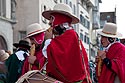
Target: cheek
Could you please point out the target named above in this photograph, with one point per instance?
(104, 42)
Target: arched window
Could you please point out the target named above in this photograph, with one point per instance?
(3, 44)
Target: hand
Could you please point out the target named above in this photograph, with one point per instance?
(48, 34)
(31, 59)
(96, 59)
(102, 54)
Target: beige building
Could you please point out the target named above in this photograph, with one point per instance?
(6, 24)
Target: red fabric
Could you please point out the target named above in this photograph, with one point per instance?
(39, 38)
(40, 58)
(64, 53)
(60, 18)
(116, 54)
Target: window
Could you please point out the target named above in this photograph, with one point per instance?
(88, 40)
(13, 9)
(60, 1)
(85, 23)
(82, 19)
(88, 24)
(70, 4)
(74, 9)
(22, 34)
(3, 8)
(108, 17)
(85, 39)
(66, 1)
(81, 36)
(44, 8)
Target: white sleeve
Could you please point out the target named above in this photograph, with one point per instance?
(44, 50)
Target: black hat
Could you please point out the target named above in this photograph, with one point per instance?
(22, 43)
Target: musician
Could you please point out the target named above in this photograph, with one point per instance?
(67, 58)
(36, 59)
(112, 68)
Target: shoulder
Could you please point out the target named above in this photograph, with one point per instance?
(118, 46)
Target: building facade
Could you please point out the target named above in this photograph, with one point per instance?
(6, 24)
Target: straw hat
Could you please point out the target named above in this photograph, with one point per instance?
(34, 29)
(22, 43)
(110, 30)
(3, 55)
(62, 9)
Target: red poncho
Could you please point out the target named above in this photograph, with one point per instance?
(116, 54)
(64, 58)
(39, 57)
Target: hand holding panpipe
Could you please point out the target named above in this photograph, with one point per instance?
(32, 52)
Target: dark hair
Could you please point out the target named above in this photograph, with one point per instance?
(111, 40)
(59, 29)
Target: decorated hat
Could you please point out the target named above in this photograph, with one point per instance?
(3, 55)
(110, 30)
(22, 43)
(34, 29)
(62, 9)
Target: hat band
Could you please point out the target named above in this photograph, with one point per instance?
(108, 33)
(34, 32)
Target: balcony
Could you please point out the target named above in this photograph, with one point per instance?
(89, 2)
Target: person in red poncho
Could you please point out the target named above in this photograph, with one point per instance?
(112, 67)
(36, 59)
(67, 58)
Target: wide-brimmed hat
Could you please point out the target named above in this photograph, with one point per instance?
(3, 55)
(22, 43)
(110, 30)
(62, 9)
(34, 29)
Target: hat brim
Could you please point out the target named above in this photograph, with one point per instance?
(47, 14)
(34, 33)
(21, 45)
(118, 35)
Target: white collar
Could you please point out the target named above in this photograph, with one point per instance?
(20, 55)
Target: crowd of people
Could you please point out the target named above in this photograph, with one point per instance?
(60, 48)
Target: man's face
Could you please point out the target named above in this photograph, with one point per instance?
(104, 41)
(33, 41)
